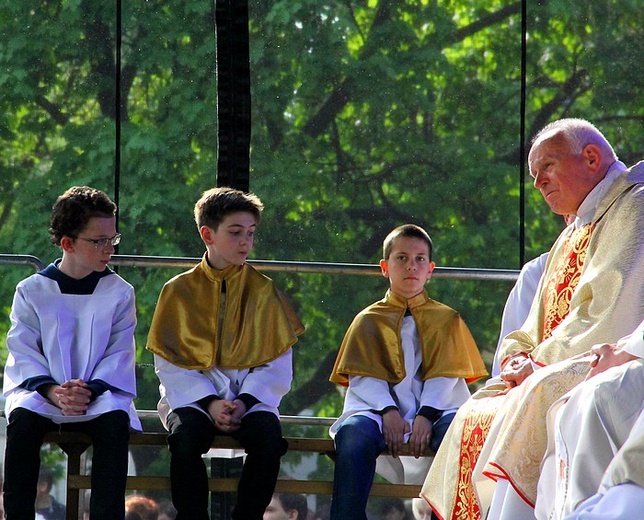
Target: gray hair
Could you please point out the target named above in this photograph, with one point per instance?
(578, 133)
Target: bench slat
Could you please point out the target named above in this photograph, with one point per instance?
(74, 443)
(229, 485)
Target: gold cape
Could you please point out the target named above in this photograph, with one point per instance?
(372, 345)
(259, 324)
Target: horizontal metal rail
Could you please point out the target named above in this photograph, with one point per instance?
(302, 420)
(285, 266)
(22, 260)
(462, 273)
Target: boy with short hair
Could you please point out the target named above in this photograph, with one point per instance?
(406, 360)
(287, 506)
(222, 337)
(71, 357)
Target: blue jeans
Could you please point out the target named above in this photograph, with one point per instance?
(358, 443)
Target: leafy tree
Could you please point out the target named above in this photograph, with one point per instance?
(366, 114)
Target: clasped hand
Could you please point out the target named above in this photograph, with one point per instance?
(227, 414)
(516, 370)
(72, 397)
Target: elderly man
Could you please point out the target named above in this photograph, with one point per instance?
(591, 292)
(588, 426)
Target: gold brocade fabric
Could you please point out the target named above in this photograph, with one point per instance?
(518, 449)
(561, 285)
(372, 345)
(475, 429)
(607, 303)
(258, 324)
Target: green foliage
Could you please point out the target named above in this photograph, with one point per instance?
(366, 115)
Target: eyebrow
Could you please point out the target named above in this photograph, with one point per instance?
(240, 226)
(408, 254)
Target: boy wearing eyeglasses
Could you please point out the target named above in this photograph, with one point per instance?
(71, 357)
(222, 336)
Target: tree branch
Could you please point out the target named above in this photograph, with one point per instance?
(483, 23)
(53, 110)
(342, 94)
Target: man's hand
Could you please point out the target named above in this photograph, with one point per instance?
(421, 435)
(72, 397)
(516, 370)
(607, 356)
(394, 429)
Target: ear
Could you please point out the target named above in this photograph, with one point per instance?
(293, 515)
(67, 244)
(592, 154)
(206, 234)
(384, 267)
(430, 269)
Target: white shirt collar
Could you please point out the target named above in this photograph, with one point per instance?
(588, 207)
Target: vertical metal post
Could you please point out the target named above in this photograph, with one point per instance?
(233, 93)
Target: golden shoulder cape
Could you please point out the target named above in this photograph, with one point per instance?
(372, 345)
(258, 326)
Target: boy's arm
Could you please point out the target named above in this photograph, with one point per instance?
(184, 387)
(373, 392)
(440, 394)
(26, 361)
(116, 370)
(268, 383)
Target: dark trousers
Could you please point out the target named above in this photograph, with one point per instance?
(191, 435)
(110, 436)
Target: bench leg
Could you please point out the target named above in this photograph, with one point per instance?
(74, 453)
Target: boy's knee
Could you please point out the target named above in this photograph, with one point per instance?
(187, 443)
(263, 432)
(354, 437)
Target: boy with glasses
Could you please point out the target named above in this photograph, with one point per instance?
(71, 357)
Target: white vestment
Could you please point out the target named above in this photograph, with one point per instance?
(517, 306)
(181, 387)
(586, 428)
(621, 493)
(60, 336)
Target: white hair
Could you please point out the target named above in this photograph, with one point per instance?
(578, 133)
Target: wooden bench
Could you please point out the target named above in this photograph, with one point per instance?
(74, 445)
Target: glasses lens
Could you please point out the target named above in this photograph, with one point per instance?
(116, 239)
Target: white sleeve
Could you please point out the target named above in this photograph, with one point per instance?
(271, 381)
(117, 365)
(444, 393)
(634, 343)
(180, 386)
(373, 393)
(517, 306)
(24, 340)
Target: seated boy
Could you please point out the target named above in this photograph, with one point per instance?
(71, 357)
(406, 360)
(222, 337)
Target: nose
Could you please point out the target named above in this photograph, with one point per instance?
(539, 179)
